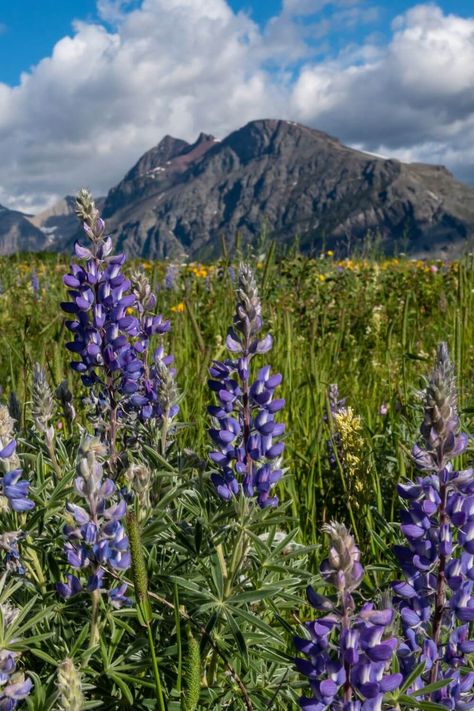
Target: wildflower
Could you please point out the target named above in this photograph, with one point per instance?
(113, 345)
(179, 308)
(14, 410)
(14, 685)
(7, 426)
(138, 478)
(346, 444)
(435, 599)
(43, 407)
(95, 538)
(171, 276)
(35, 284)
(247, 437)
(13, 489)
(348, 651)
(99, 295)
(9, 541)
(154, 394)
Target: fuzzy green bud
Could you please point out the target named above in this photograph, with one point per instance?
(70, 697)
(42, 408)
(139, 575)
(192, 674)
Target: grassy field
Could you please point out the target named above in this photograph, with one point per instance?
(371, 327)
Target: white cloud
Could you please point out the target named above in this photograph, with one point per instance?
(103, 97)
(413, 98)
(109, 92)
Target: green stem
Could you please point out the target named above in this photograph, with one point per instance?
(94, 636)
(140, 584)
(156, 671)
(178, 639)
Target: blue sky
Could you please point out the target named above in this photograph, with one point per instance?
(87, 86)
(29, 29)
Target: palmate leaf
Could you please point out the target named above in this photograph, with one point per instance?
(257, 622)
(238, 636)
(251, 596)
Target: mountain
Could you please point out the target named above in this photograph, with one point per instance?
(59, 223)
(292, 181)
(182, 199)
(17, 234)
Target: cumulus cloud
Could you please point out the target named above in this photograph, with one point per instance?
(111, 90)
(104, 96)
(413, 98)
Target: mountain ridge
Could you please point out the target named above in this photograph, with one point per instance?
(180, 199)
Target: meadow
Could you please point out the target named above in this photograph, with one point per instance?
(217, 586)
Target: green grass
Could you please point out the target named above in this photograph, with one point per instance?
(370, 327)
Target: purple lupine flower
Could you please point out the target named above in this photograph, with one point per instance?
(155, 397)
(349, 651)
(171, 276)
(14, 686)
(12, 486)
(435, 598)
(9, 544)
(102, 327)
(96, 538)
(112, 328)
(35, 283)
(249, 450)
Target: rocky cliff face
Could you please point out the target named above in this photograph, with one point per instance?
(59, 223)
(180, 199)
(17, 234)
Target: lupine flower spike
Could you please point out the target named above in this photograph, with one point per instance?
(112, 326)
(43, 405)
(249, 450)
(70, 696)
(95, 537)
(156, 395)
(349, 651)
(99, 298)
(435, 599)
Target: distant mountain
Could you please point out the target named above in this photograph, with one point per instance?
(181, 199)
(17, 234)
(59, 223)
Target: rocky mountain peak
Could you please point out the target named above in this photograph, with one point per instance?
(181, 198)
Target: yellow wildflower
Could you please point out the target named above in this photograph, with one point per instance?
(179, 308)
(349, 428)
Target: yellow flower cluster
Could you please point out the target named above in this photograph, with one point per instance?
(349, 428)
(199, 270)
(179, 308)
